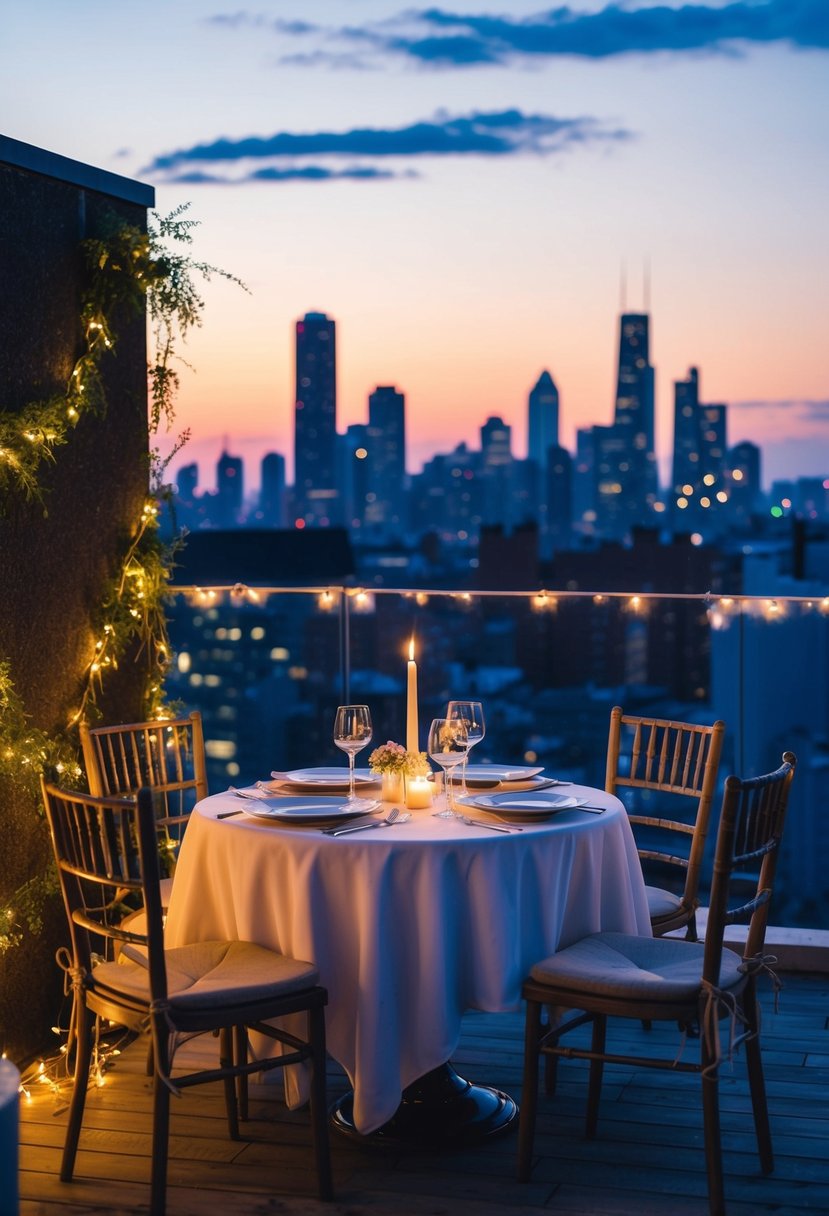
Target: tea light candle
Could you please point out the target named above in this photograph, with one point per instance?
(418, 793)
(411, 703)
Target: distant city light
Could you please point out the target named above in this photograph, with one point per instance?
(183, 661)
(737, 474)
(696, 538)
(709, 479)
(361, 453)
(682, 503)
(299, 523)
(687, 490)
(777, 512)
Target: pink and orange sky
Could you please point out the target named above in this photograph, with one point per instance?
(459, 188)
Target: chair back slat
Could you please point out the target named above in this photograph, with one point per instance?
(751, 827)
(668, 758)
(166, 756)
(106, 852)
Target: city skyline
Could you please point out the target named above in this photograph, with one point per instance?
(461, 189)
(704, 429)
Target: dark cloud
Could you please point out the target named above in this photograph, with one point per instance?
(439, 37)
(494, 134)
(305, 173)
(620, 29)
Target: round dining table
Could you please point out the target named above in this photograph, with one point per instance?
(409, 925)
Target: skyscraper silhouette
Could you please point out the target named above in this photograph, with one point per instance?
(387, 456)
(316, 494)
(627, 484)
(542, 420)
(272, 492)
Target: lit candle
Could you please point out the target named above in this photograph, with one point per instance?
(418, 793)
(412, 744)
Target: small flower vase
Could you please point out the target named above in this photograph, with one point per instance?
(392, 787)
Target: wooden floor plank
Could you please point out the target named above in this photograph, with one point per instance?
(647, 1159)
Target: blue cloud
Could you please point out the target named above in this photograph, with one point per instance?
(438, 37)
(494, 134)
(619, 29)
(273, 173)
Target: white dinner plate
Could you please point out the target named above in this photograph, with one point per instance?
(311, 810)
(328, 778)
(500, 772)
(528, 805)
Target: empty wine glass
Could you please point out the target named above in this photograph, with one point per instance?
(352, 732)
(448, 743)
(472, 713)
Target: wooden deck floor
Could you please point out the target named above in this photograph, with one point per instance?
(647, 1159)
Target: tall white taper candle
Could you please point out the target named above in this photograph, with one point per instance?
(412, 744)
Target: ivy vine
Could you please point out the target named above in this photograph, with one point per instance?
(130, 272)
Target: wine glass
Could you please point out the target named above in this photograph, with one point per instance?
(472, 713)
(352, 732)
(448, 743)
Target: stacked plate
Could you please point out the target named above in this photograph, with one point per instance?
(300, 810)
(523, 806)
(312, 797)
(323, 780)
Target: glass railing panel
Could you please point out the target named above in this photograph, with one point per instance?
(268, 669)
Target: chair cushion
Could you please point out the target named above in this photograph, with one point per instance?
(633, 968)
(661, 903)
(211, 974)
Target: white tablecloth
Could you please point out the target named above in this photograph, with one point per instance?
(409, 926)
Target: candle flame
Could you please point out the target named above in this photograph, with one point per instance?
(411, 649)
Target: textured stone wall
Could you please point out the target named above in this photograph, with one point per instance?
(55, 562)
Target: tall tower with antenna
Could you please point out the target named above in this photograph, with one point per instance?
(627, 481)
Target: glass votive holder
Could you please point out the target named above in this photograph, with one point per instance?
(419, 793)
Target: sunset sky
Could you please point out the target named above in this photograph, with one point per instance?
(459, 187)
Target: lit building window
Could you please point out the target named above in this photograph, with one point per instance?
(257, 633)
(183, 662)
(220, 749)
(279, 654)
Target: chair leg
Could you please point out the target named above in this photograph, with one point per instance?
(713, 1142)
(84, 1021)
(529, 1091)
(757, 1085)
(594, 1087)
(691, 934)
(226, 1063)
(319, 1105)
(240, 1055)
(161, 1145)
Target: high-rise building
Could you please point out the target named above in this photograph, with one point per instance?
(229, 491)
(496, 470)
(559, 496)
(316, 494)
(542, 420)
(356, 477)
(386, 442)
(629, 484)
(272, 491)
(542, 435)
(700, 492)
(746, 487)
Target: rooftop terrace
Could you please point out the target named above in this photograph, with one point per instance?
(646, 1161)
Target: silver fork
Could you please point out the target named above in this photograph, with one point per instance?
(394, 816)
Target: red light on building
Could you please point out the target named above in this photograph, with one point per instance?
(299, 523)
